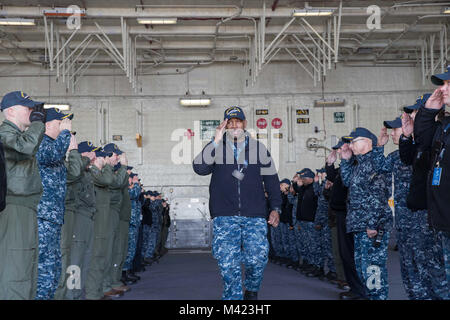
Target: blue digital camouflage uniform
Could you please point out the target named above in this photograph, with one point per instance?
(134, 192)
(155, 229)
(445, 238)
(298, 248)
(291, 232)
(421, 264)
(50, 158)
(303, 241)
(368, 208)
(321, 219)
(312, 243)
(230, 232)
(276, 241)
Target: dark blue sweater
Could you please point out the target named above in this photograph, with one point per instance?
(228, 195)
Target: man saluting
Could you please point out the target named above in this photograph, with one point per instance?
(241, 169)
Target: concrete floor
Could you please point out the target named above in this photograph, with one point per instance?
(182, 275)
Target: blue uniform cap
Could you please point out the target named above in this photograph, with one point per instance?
(18, 98)
(234, 112)
(393, 124)
(111, 147)
(306, 173)
(86, 146)
(100, 153)
(286, 181)
(338, 145)
(129, 168)
(56, 114)
(438, 79)
(133, 175)
(361, 132)
(420, 102)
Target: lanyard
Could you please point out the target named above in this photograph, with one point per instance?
(237, 151)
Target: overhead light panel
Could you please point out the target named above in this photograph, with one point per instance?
(195, 102)
(312, 12)
(60, 106)
(16, 22)
(157, 20)
(446, 10)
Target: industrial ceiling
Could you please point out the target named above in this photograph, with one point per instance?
(252, 33)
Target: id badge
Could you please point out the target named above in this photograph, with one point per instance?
(436, 176)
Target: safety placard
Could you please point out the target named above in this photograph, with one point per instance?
(302, 112)
(262, 112)
(208, 129)
(302, 120)
(339, 117)
(261, 123)
(277, 123)
(278, 136)
(261, 136)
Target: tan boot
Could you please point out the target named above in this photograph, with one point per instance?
(122, 289)
(113, 293)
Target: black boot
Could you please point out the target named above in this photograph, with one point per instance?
(307, 268)
(313, 272)
(126, 280)
(132, 276)
(250, 295)
(321, 274)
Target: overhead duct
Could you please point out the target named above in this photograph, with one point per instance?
(329, 103)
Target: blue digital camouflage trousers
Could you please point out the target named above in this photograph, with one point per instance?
(287, 237)
(445, 238)
(371, 266)
(326, 249)
(440, 288)
(421, 261)
(133, 233)
(412, 258)
(311, 238)
(276, 239)
(49, 264)
(151, 234)
(293, 255)
(300, 243)
(240, 240)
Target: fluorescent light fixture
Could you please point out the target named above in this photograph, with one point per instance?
(446, 10)
(62, 107)
(312, 12)
(16, 22)
(157, 20)
(65, 12)
(190, 102)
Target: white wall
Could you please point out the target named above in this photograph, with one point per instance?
(379, 91)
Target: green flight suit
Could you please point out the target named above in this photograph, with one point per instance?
(120, 178)
(18, 222)
(74, 169)
(124, 226)
(102, 180)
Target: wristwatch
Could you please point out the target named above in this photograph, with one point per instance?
(277, 210)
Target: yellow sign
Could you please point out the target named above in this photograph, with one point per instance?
(302, 112)
(262, 112)
(302, 120)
